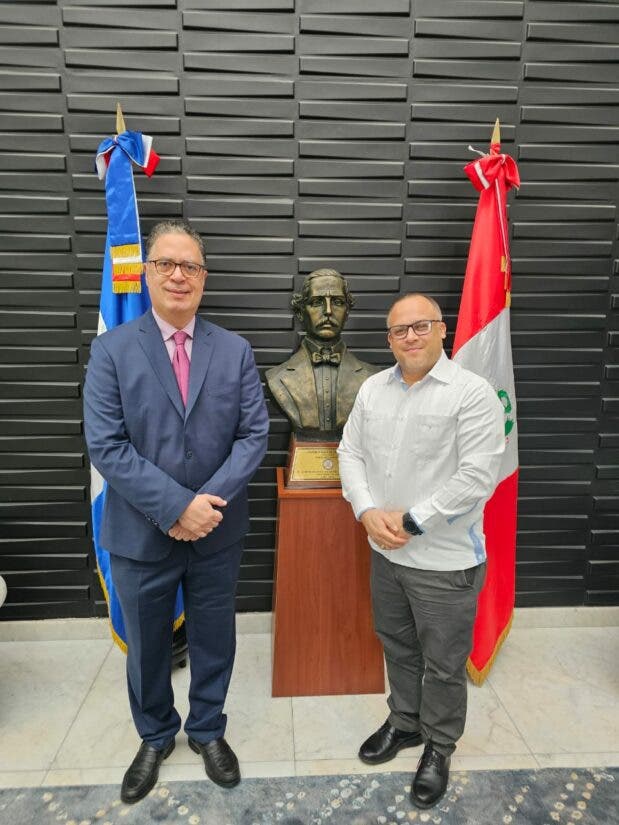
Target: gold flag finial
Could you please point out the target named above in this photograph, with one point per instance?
(120, 121)
(496, 133)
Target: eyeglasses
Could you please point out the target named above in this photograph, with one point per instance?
(166, 268)
(419, 328)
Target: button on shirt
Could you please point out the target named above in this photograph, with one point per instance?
(433, 448)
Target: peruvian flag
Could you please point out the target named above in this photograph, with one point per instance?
(483, 345)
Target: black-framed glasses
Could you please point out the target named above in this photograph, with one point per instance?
(165, 267)
(423, 327)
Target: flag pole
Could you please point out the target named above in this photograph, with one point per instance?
(120, 121)
(496, 132)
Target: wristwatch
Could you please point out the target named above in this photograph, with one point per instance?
(410, 525)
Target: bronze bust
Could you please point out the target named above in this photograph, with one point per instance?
(317, 386)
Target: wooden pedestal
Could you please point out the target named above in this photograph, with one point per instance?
(323, 639)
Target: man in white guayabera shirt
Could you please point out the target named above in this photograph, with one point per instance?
(418, 458)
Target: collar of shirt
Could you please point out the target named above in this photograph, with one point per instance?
(442, 371)
(167, 331)
(312, 346)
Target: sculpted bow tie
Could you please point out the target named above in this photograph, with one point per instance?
(326, 358)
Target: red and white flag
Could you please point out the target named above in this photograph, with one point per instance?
(483, 345)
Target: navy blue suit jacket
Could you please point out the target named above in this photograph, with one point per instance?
(155, 454)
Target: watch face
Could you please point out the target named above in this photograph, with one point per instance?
(410, 525)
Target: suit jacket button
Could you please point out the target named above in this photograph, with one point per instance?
(188, 454)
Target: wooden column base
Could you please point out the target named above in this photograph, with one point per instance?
(323, 638)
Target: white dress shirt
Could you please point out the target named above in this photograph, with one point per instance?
(433, 448)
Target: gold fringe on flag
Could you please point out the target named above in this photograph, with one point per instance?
(122, 287)
(129, 250)
(478, 677)
(120, 642)
(127, 268)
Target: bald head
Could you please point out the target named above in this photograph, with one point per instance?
(433, 306)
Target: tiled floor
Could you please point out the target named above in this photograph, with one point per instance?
(552, 699)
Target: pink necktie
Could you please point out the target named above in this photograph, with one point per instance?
(180, 363)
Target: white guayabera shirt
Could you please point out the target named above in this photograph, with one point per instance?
(434, 449)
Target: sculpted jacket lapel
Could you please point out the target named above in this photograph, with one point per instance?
(153, 345)
(298, 375)
(201, 354)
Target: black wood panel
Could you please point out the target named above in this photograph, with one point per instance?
(297, 135)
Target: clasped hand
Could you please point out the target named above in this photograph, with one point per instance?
(385, 528)
(199, 519)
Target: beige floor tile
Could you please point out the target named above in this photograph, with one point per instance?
(560, 687)
(566, 617)
(259, 727)
(492, 762)
(406, 762)
(602, 759)
(489, 729)
(249, 770)
(84, 776)
(333, 727)
(551, 700)
(102, 735)
(55, 630)
(333, 767)
(42, 685)
(171, 772)
(21, 779)
(260, 770)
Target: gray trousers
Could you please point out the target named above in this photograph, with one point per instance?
(424, 619)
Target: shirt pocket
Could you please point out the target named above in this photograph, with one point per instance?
(431, 437)
(378, 429)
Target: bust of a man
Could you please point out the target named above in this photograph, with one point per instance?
(317, 386)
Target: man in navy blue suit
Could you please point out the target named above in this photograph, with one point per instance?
(176, 423)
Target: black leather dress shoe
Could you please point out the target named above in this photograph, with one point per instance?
(430, 782)
(385, 744)
(220, 761)
(143, 772)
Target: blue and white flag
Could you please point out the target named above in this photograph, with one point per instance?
(114, 163)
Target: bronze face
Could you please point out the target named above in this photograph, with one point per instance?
(325, 310)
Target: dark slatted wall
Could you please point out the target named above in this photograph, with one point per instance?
(297, 134)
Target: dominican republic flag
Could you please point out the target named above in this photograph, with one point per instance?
(483, 345)
(114, 160)
(124, 245)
